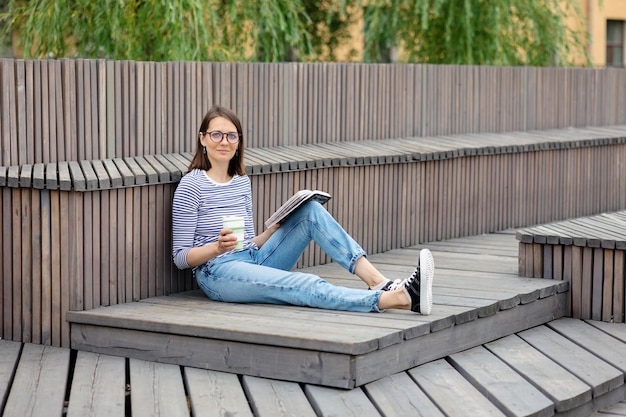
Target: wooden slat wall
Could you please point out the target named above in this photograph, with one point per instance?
(588, 252)
(75, 251)
(96, 109)
(69, 250)
(597, 277)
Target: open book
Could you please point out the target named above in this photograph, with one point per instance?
(294, 202)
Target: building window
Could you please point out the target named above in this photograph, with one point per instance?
(614, 43)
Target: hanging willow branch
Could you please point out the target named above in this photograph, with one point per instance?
(159, 30)
(476, 32)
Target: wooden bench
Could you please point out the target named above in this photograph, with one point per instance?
(168, 168)
(588, 252)
(98, 232)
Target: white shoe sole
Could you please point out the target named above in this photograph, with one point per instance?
(427, 273)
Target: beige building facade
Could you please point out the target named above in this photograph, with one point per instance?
(605, 22)
(606, 25)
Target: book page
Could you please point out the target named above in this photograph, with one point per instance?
(294, 202)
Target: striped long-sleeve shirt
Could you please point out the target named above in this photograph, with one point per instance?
(198, 207)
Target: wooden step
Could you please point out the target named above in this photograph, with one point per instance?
(567, 367)
(478, 299)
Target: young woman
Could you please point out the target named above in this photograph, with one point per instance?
(217, 186)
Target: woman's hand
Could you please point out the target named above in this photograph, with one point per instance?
(226, 241)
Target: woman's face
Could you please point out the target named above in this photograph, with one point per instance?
(223, 151)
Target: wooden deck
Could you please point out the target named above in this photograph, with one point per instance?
(478, 298)
(494, 346)
(568, 367)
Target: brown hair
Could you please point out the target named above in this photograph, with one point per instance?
(200, 159)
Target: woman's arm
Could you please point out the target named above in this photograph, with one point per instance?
(200, 254)
(262, 238)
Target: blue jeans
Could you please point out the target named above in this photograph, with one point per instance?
(264, 275)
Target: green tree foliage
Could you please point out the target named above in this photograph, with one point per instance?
(475, 32)
(329, 27)
(159, 30)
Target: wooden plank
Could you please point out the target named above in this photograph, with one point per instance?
(129, 245)
(504, 387)
(398, 395)
(114, 174)
(538, 261)
(525, 258)
(56, 130)
(175, 174)
(606, 271)
(119, 246)
(48, 256)
(40, 380)
(89, 279)
(26, 269)
(25, 176)
(68, 265)
(328, 401)
(618, 287)
(112, 282)
(574, 270)
(128, 178)
(564, 389)
(78, 178)
(151, 254)
(162, 172)
(8, 364)
(180, 164)
(82, 95)
(160, 229)
(140, 175)
(91, 177)
(196, 300)
(270, 398)
(548, 268)
(594, 340)
(156, 389)
(36, 263)
(103, 265)
(292, 333)
(331, 369)
(216, 394)
(104, 182)
(599, 375)
(151, 174)
(144, 224)
(16, 271)
(98, 386)
(65, 179)
(452, 393)
(13, 176)
(137, 261)
(587, 283)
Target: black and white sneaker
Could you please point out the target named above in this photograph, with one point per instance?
(394, 285)
(419, 285)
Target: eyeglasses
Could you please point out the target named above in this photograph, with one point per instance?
(217, 136)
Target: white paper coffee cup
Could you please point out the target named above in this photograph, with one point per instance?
(236, 224)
